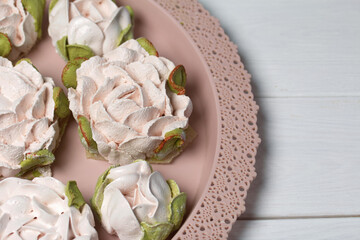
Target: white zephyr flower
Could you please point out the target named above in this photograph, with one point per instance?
(97, 26)
(32, 114)
(125, 99)
(136, 203)
(44, 208)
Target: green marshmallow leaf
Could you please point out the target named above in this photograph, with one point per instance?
(85, 134)
(148, 46)
(74, 195)
(5, 45)
(125, 35)
(166, 152)
(173, 141)
(79, 51)
(68, 75)
(34, 160)
(61, 46)
(26, 60)
(61, 103)
(177, 206)
(131, 12)
(159, 231)
(36, 173)
(31, 174)
(36, 9)
(177, 80)
(177, 210)
(175, 190)
(98, 197)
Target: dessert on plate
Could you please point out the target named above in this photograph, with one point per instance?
(130, 104)
(33, 117)
(44, 208)
(20, 26)
(136, 203)
(84, 28)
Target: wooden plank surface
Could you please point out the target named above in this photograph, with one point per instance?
(295, 48)
(304, 57)
(309, 158)
(293, 229)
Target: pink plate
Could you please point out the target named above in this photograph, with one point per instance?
(216, 170)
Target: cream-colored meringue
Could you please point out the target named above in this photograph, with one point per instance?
(135, 195)
(125, 97)
(27, 122)
(18, 25)
(93, 23)
(38, 209)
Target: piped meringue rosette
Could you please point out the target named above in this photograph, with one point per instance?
(20, 26)
(136, 203)
(84, 28)
(130, 105)
(44, 208)
(33, 116)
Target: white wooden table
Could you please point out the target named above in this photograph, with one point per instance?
(304, 56)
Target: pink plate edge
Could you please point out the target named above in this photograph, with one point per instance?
(223, 199)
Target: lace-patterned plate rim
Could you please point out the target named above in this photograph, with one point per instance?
(223, 200)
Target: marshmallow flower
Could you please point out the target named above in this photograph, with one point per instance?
(20, 26)
(136, 203)
(125, 108)
(44, 208)
(33, 116)
(84, 28)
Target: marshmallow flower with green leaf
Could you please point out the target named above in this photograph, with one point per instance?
(44, 208)
(136, 203)
(33, 116)
(20, 26)
(84, 28)
(130, 104)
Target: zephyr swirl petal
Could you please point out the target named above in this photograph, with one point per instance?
(93, 70)
(85, 32)
(114, 131)
(97, 10)
(182, 105)
(141, 72)
(114, 205)
(19, 85)
(58, 21)
(119, 21)
(122, 56)
(37, 208)
(7, 118)
(119, 109)
(30, 72)
(163, 66)
(98, 113)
